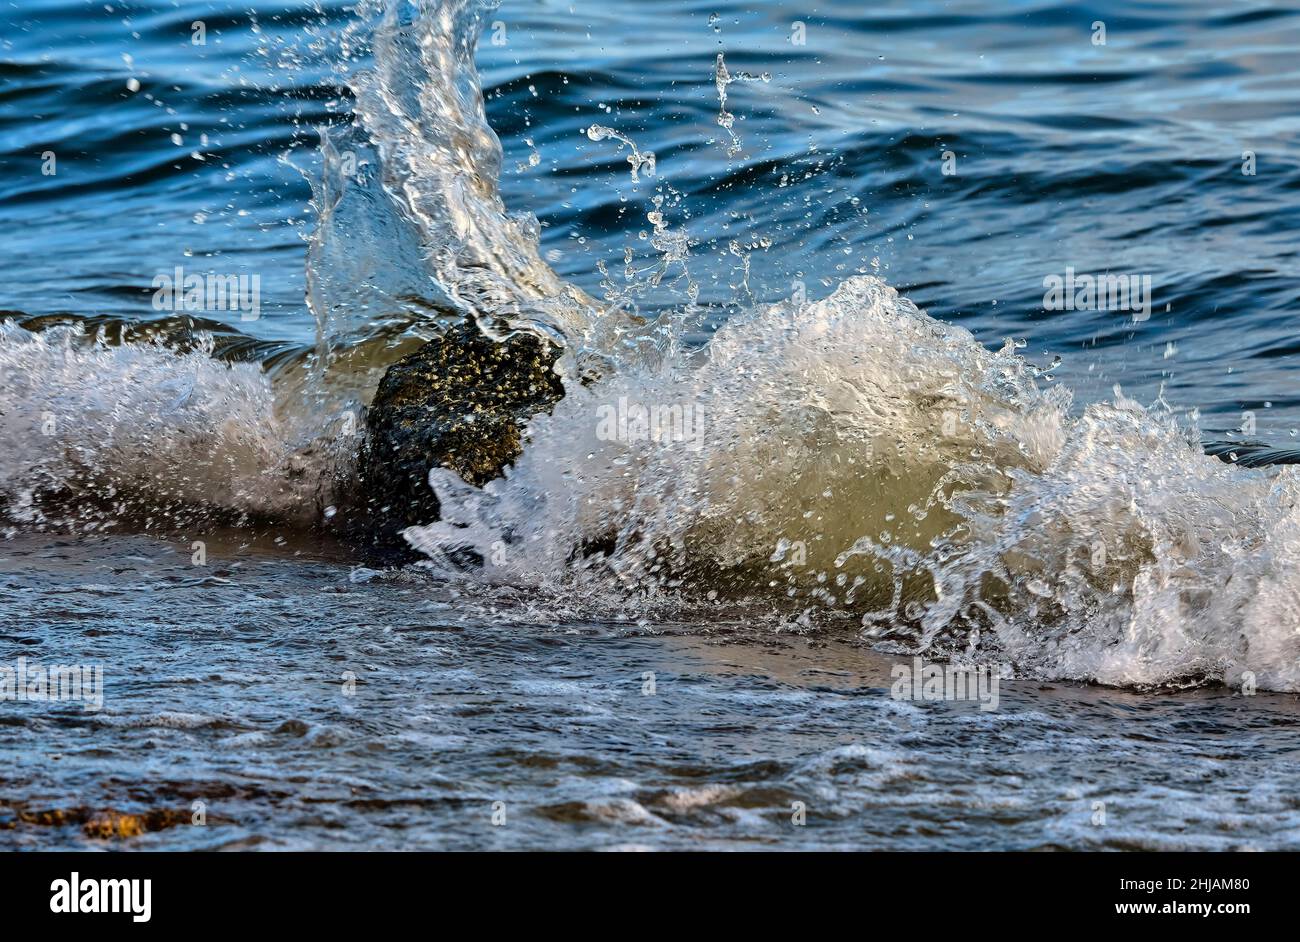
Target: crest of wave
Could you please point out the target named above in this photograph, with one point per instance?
(421, 181)
(808, 427)
(1134, 560)
(855, 456)
(95, 429)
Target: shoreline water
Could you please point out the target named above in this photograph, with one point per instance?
(230, 690)
(684, 647)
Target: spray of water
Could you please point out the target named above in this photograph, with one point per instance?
(846, 458)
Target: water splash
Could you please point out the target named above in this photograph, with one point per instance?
(860, 458)
(420, 107)
(140, 433)
(640, 162)
(722, 78)
(672, 244)
(845, 458)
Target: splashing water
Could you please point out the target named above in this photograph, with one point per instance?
(854, 455)
(419, 109)
(722, 78)
(640, 162)
(847, 457)
(672, 244)
(140, 432)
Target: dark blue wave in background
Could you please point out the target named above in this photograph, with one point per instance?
(1122, 158)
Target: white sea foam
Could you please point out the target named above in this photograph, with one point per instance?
(856, 457)
(862, 457)
(143, 430)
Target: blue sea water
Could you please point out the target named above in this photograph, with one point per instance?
(963, 152)
(1122, 158)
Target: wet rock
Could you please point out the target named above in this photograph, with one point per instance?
(114, 824)
(461, 402)
(103, 824)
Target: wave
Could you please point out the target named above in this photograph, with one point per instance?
(852, 455)
(110, 434)
(848, 457)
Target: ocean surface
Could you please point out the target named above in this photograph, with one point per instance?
(828, 235)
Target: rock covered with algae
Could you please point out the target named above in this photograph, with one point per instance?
(460, 402)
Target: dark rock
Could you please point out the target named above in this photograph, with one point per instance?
(461, 402)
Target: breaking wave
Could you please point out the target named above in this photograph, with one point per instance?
(848, 457)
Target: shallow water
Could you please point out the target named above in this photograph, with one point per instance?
(239, 704)
(307, 700)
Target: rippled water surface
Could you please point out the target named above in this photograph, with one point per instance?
(307, 697)
(236, 703)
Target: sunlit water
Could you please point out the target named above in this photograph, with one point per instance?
(871, 479)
